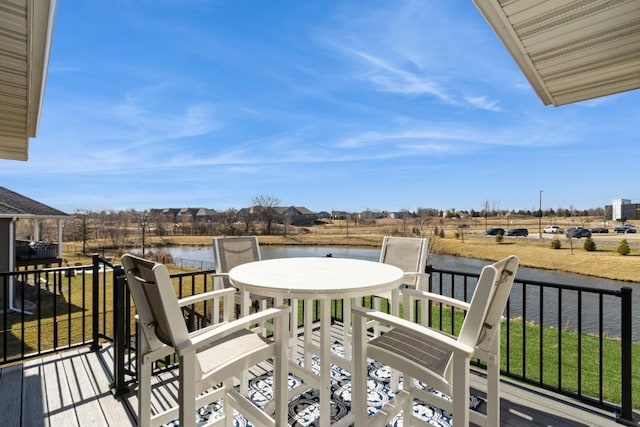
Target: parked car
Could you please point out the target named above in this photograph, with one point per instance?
(497, 231)
(599, 230)
(625, 228)
(517, 232)
(552, 229)
(578, 232)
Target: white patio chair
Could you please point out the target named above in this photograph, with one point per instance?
(230, 252)
(208, 357)
(410, 255)
(435, 358)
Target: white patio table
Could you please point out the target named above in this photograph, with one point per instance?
(322, 279)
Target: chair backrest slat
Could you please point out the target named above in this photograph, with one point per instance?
(156, 302)
(488, 303)
(407, 253)
(230, 252)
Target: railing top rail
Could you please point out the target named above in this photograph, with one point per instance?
(101, 258)
(191, 273)
(46, 270)
(614, 292)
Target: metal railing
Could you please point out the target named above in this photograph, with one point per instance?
(52, 309)
(558, 337)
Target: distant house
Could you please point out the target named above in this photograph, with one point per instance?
(293, 215)
(186, 215)
(183, 215)
(339, 214)
(297, 215)
(164, 215)
(13, 252)
(369, 214)
(205, 216)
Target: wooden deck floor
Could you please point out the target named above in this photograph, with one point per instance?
(72, 389)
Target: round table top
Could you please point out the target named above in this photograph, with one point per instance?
(315, 277)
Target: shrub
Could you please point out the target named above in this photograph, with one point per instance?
(499, 238)
(623, 248)
(456, 235)
(589, 244)
(442, 233)
(555, 244)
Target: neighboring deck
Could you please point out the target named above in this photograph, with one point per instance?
(72, 388)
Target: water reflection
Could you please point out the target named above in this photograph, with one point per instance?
(205, 253)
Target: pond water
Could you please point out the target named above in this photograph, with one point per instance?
(202, 257)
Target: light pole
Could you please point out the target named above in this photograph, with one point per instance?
(540, 217)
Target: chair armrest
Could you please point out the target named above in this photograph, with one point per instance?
(197, 341)
(429, 334)
(421, 279)
(415, 274)
(424, 295)
(219, 284)
(205, 296)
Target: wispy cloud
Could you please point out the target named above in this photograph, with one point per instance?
(390, 78)
(411, 48)
(483, 103)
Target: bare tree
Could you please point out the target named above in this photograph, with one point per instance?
(247, 217)
(228, 218)
(265, 209)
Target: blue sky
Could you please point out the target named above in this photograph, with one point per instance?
(345, 105)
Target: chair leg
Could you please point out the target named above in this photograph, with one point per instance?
(493, 384)
(460, 392)
(281, 371)
(293, 331)
(227, 408)
(359, 375)
(308, 332)
(407, 409)
(376, 325)
(493, 395)
(144, 393)
(394, 380)
(346, 327)
(144, 381)
(263, 326)
(186, 392)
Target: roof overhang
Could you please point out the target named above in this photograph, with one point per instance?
(33, 216)
(26, 28)
(570, 50)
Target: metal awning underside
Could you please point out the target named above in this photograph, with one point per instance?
(25, 39)
(570, 50)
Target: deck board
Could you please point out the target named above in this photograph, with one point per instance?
(11, 392)
(73, 389)
(58, 397)
(33, 392)
(83, 395)
(100, 378)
